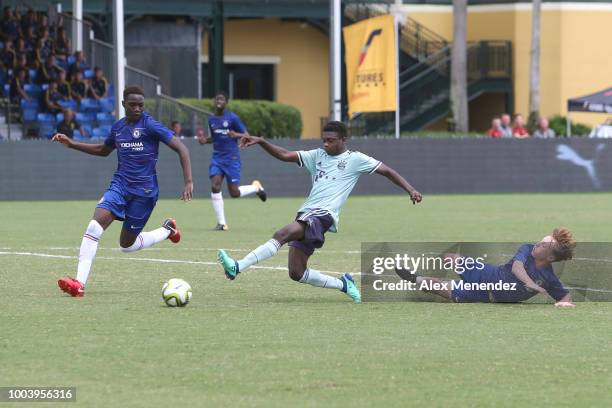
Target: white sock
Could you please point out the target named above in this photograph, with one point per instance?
(89, 246)
(316, 278)
(247, 190)
(217, 203)
(261, 253)
(148, 239)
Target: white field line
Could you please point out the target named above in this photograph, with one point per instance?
(169, 249)
(154, 260)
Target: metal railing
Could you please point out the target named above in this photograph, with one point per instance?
(72, 27)
(149, 82)
(102, 56)
(167, 109)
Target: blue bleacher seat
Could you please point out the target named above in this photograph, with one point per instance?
(62, 63)
(111, 91)
(25, 104)
(71, 59)
(88, 130)
(33, 74)
(44, 87)
(7, 90)
(100, 132)
(33, 90)
(104, 119)
(29, 115)
(85, 118)
(59, 117)
(46, 130)
(107, 104)
(89, 105)
(46, 118)
(88, 73)
(70, 104)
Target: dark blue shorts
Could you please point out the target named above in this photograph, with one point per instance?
(471, 296)
(317, 223)
(230, 169)
(133, 210)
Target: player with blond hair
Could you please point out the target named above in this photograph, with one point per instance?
(529, 272)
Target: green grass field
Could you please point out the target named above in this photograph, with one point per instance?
(264, 340)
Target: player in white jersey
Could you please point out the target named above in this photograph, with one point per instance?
(335, 171)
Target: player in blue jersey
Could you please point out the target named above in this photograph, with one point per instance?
(335, 171)
(225, 129)
(133, 191)
(528, 273)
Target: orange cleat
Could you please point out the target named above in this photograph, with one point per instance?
(175, 233)
(71, 286)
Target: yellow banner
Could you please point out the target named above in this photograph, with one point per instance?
(371, 65)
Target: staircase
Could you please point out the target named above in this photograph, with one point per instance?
(425, 66)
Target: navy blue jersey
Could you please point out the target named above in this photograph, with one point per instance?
(224, 147)
(137, 147)
(544, 277)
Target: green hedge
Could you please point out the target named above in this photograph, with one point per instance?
(262, 118)
(559, 125)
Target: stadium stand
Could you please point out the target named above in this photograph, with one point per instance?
(44, 47)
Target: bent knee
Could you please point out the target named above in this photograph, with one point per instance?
(296, 274)
(234, 194)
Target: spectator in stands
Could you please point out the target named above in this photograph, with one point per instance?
(176, 128)
(68, 125)
(49, 71)
(52, 98)
(200, 135)
(42, 52)
(79, 64)
(30, 38)
(79, 87)
(8, 56)
(518, 130)
(99, 85)
(28, 20)
(46, 39)
(495, 131)
(63, 86)
(16, 91)
(22, 65)
(543, 131)
(9, 25)
(506, 125)
(22, 50)
(62, 44)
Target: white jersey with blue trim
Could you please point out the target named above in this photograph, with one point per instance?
(333, 178)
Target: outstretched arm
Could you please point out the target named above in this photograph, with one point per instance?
(397, 179)
(274, 150)
(93, 149)
(176, 145)
(518, 269)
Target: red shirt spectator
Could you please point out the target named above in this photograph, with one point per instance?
(496, 130)
(519, 130)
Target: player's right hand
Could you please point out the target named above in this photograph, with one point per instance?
(564, 304)
(416, 197)
(63, 139)
(248, 140)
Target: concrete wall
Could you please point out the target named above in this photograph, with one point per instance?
(37, 170)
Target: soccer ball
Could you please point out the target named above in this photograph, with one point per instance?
(176, 292)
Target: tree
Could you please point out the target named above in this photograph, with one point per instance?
(534, 74)
(458, 87)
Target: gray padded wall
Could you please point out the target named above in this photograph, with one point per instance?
(37, 170)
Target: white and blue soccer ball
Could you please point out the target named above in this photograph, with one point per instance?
(176, 292)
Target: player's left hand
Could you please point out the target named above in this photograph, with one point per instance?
(416, 197)
(234, 135)
(187, 192)
(564, 304)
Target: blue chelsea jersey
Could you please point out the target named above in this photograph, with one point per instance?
(137, 147)
(224, 147)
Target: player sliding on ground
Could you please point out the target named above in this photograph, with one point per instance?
(335, 171)
(225, 129)
(133, 191)
(528, 273)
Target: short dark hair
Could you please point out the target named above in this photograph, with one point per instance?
(174, 122)
(132, 90)
(337, 127)
(222, 93)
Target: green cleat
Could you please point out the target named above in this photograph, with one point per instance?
(229, 265)
(349, 287)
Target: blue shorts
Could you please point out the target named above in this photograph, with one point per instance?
(133, 210)
(471, 296)
(317, 223)
(230, 169)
